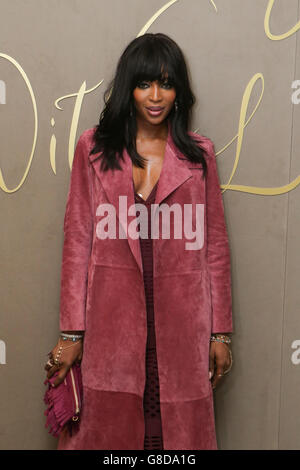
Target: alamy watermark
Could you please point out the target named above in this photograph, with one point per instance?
(296, 94)
(295, 357)
(2, 92)
(2, 352)
(182, 222)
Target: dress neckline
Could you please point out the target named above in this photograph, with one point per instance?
(145, 200)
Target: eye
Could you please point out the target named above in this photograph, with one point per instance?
(142, 84)
(167, 85)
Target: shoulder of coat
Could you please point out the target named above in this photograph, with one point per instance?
(204, 142)
(202, 139)
(87, 136)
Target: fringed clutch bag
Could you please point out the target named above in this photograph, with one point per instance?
(65, 401)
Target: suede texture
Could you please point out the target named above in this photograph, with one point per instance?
(102, 292)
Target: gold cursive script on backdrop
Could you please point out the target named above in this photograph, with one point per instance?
(29, 87)
(277, 37)
(79, 96)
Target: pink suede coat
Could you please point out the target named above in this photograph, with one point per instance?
(102, 292)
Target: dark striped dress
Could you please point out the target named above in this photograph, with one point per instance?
(153, 429)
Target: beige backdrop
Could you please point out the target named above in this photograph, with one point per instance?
(244, 64)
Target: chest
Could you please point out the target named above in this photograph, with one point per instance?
(144, 179)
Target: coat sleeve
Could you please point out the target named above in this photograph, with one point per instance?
(218, 252)
(78, 232)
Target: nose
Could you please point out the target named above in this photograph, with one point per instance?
(155, 92)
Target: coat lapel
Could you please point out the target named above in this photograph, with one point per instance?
(118, 183)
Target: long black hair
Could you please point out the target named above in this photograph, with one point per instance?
(148, 57)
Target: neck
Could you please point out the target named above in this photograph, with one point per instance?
(148, 131)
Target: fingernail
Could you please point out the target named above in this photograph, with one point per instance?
(53, 385)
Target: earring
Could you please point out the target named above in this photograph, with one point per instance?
(176, 105)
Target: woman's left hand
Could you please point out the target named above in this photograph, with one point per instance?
(219, 361)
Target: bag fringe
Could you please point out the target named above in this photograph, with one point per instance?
(60, 409)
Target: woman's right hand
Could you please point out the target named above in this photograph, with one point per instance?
(72, 353)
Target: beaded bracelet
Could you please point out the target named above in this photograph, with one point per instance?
(220, 338)
(66, 336)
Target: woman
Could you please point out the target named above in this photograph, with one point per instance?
(149, 308)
